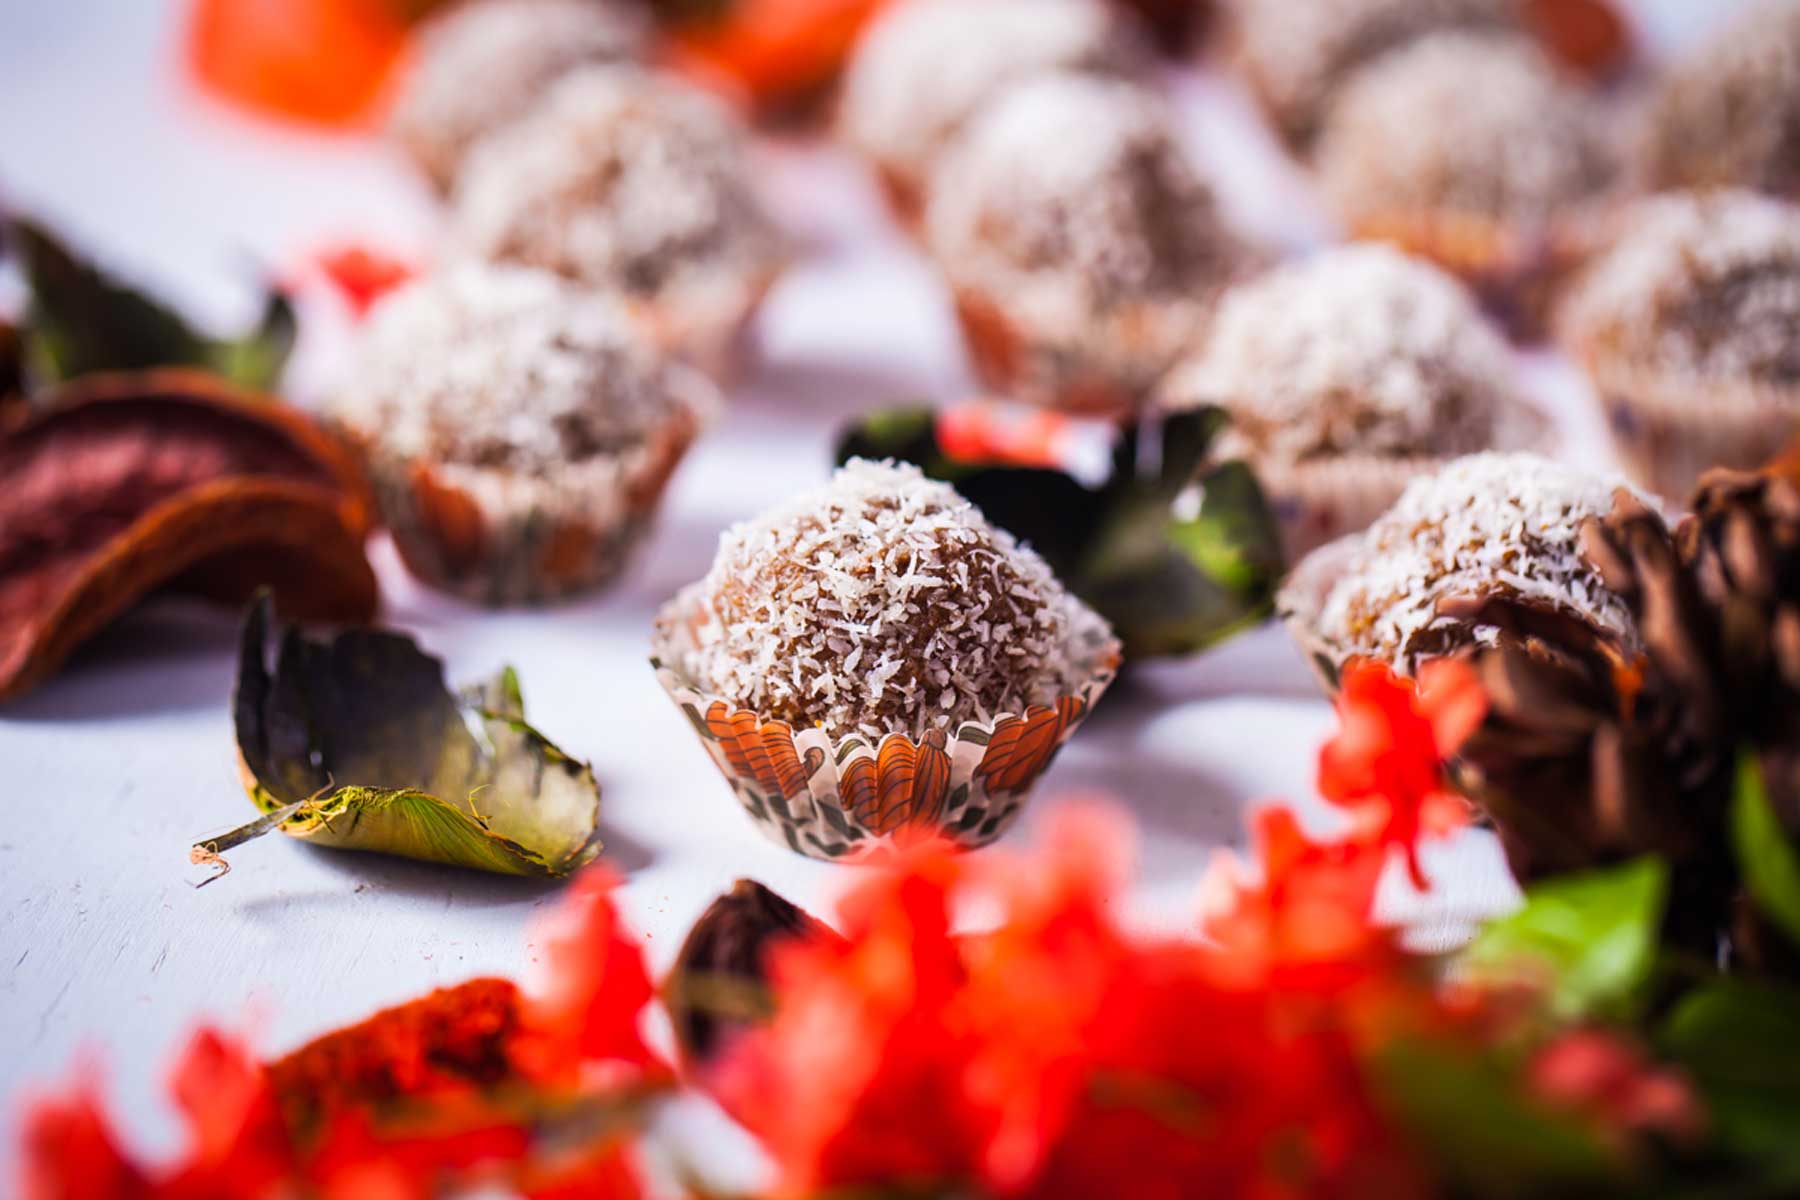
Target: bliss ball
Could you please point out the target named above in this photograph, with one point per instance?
(1297, 54)
(1082, 246)
(1730, 114)
(628, 181)
(1360, 350)
(1463, 124)
(884, 602)
(1485, 525)
(1698, 286)
(504, 367)
(925, 66)
(482, 64)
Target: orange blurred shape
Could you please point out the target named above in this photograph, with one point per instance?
(320, 61)
(776, 52)
(1588, 35)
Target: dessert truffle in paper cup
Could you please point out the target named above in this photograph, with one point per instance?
(874, 663)
(1410, 587)
(479, 65)
(924, 66)
(1729, 115)
(519, 430)
(1689, 326)
(1083, 251)
(1343, 377)
(1504, 193)
(1296, 54)
(635, 183)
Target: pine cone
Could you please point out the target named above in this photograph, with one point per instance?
(1595, 751)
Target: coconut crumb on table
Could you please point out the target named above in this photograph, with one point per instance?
(883, 602)
(1358, 350)
(1482, 525)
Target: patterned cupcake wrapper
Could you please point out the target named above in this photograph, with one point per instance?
(1668, 432)
(459, 541)
(857, 800)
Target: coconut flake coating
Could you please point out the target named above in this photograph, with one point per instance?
(1357, 350)
(924, 66)
(1299, 52)
(1069, 205)
(1468, 124)
(1699, 284)
(481, 64)
(621, 179)
(504, 367)
(882, 602)
(1483, 525)
(1730, 114)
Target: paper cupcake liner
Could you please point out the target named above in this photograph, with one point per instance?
(1301, 600)
(853, 799)
(711, 333)
(1516, 271)
(1668, 432)
(495, 538)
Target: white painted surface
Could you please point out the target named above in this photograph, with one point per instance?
(109, 772)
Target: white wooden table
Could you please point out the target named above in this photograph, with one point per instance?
(109, 772)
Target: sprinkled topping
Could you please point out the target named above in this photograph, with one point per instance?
(1463, 123)
(504, 367)
(1731, 113)
(1700, 284)
(1356, 350)
(620, 178)
(885, 602)
(1298, 52)
(481, 64)
(925, 65)
(1068, 202)
(1487, 524)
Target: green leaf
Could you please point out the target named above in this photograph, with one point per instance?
(1590, 939)
(355, 743)
(1769, 860)
(81, 320)
(1468, 1115)
(1176, 556)
(1740, 1043)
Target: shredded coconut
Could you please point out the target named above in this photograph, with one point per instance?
(885, 602)
(621, 179)
(1464, 123)
(1702, 284)
(1730, 114)
(1482, 525)
(1298, 52)
(1360, 349)
(924, 66)
(504, 367)
(1068, 203)
(481, 64)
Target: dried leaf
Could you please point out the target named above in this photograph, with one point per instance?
(122, 485)
(1176, 552)
(356, 743)
(81, 320)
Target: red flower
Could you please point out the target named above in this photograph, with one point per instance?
(1386, 762)
(1595, 1073)
(71, 1153)
(362, 276)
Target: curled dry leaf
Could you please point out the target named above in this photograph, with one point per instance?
(120, 485)
(356, 743)
(719, 984)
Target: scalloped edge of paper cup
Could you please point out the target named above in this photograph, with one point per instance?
(853, 799)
